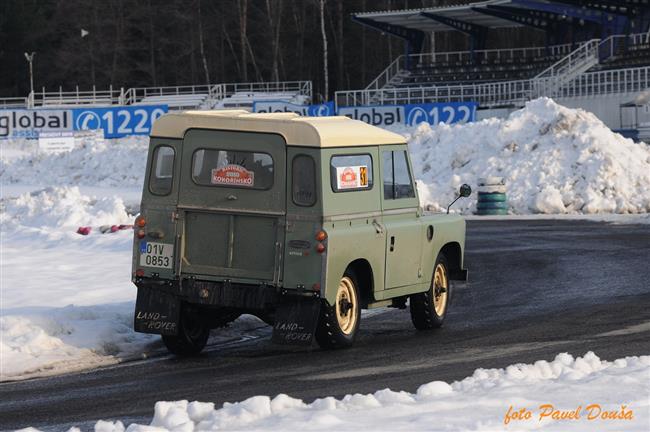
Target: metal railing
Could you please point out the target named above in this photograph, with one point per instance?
(614, 81)
(619, 44)
(222, 91)
(134, 95)
(14, 102)
(550, 80)
(500, 93)
(76, 97)
(487, 94)
(399, 64)
(137, 94)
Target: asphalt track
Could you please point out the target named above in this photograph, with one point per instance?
(537, 288)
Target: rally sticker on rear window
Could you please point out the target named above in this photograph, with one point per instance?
(352, 177)
(233, 175)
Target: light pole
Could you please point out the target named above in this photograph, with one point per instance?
(30, 59)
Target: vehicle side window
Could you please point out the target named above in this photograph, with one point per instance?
(398, 182)
(162, 171)
(303, 180)
(233, 169)
(351, 172)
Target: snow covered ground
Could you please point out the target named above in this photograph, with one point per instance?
(566, 394)
(66, 301)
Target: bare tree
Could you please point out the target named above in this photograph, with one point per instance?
(243, 38)
(326, 90)
(202, 46)
(275, 21)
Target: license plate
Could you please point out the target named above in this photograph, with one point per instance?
(156, 255)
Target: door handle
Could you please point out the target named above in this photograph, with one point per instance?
(379, 228)
(392, 243)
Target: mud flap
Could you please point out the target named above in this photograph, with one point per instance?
(156, 312)
(296, 320)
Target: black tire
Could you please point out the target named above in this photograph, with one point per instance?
(329, 333)
(423, 305)
(193, 333)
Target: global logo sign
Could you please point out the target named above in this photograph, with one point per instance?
(88, 120)
(416, 116)
(322, 110)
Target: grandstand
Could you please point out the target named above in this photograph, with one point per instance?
(213, 96)
(599, 58)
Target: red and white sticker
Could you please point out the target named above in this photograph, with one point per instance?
(233, 175)
(352, 177)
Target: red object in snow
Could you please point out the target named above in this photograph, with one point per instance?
(84, 230)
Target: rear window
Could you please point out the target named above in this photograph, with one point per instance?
(351, 172)
(303, 183)
(162, 171)
(235, 169)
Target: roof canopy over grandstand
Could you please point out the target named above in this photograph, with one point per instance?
(588, 18)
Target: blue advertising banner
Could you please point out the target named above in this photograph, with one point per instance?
(29, 123)
(434, 113)
(320, 110)
(413, 114)
(119, 121)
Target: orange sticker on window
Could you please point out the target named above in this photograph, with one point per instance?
(233, 175)
(353, 177)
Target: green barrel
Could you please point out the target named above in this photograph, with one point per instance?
(492, 199)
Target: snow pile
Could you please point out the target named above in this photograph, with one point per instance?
(46, 341)
(67, 339)
(477, 403)
(98, 163)
(554, 160)
(61, 208)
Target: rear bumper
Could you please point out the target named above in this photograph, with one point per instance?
(247, 297)
(159, 306)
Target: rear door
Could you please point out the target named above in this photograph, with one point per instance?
(232, 204)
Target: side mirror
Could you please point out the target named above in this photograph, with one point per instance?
(464, 192)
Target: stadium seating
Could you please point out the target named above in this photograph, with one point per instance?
(176, 101)
(632, 55)
(472, 72)
(246, 99)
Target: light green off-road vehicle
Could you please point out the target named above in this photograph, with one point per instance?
(300, 221)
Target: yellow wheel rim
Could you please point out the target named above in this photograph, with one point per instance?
(440, 289)
(346, 305)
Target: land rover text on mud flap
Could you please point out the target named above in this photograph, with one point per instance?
(301, 221)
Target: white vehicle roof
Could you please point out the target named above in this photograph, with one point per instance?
(338, 131)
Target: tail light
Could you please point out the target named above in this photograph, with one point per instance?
(140, 234)
(320, 248)
(140, 221)
(139, 273)
(321, 236)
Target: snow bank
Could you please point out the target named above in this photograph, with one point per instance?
(477, 403)
(118, 163)
(67, 339)
(554, 160)
(60, 208)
